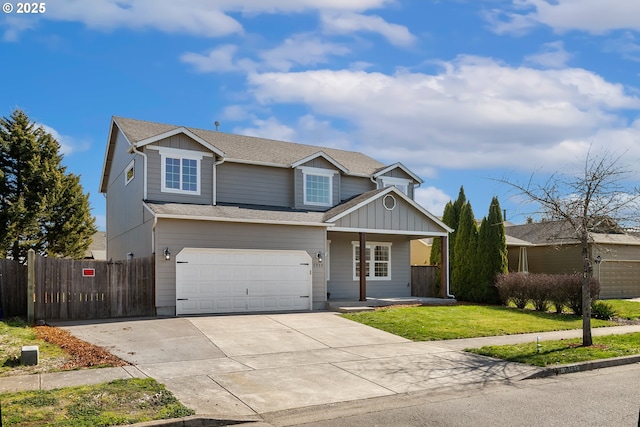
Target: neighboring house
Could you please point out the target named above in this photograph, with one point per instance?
(552, 247)
(240, 223)
(421, 251)
(98, 248)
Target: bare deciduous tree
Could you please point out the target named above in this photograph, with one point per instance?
(602, 192)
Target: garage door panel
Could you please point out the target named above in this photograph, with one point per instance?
(223, 280)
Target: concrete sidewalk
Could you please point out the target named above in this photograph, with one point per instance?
(237, 367)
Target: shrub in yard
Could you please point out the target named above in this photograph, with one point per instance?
(602, 310)
(573, 284)
(513, 288)
(540, 288)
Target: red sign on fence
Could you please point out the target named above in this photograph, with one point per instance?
(88, 272)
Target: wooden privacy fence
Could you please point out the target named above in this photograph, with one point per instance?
(65, 289)
(423, 281)
(13, 288)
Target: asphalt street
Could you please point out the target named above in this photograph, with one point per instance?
(604, 397)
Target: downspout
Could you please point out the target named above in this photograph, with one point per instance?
(215, 180)
(133, 149)
(449, 295)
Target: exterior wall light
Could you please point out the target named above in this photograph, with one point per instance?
(130, 256)
(167, 254)
(319, 256)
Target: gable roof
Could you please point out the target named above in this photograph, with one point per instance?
(397, 165)
(249, 149)
(555, 233)
(357, 202)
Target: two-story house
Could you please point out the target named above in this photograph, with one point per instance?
(239, 223)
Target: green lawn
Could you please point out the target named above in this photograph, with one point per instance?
(14, 333)
(625, 309)
(565, 351)
(466, 321)
(115, 403)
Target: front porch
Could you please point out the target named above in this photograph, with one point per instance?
(352, 306)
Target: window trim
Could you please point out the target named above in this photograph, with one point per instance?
(130, 167)
(309, 171)
(180, 155)
(370, 264)
(399, 183)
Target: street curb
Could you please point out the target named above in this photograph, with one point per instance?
(584, 366)
(201, 421)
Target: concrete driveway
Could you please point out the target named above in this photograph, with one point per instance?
(234, 366)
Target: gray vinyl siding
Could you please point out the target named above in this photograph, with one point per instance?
(125, 213)
(342, 285)
(375, 216)
(299, 191)
(178, 234)
(351, 186)
(154, 184)
(256, 185)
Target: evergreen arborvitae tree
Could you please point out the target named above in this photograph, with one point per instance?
(41, 206)
(492, 254)
(436, 250)
(463, 273)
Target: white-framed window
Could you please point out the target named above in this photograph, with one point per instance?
(317, 186)
(180, 172)
(401, 184)
(377, 259)
(130, 172)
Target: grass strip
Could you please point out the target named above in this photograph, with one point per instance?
(562, 352)
(115, 403)
(428, 323)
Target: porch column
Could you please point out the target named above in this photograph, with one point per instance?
(444, 265)
(363, 266)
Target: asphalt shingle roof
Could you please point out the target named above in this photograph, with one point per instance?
(252, 149)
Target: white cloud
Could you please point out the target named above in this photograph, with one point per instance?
(347, 23)
(68, 144)
(553, 56)
(218, 59)
(301, 49)
(197, 17)
(269, 128)
(475, 113)
(593, 16)
(432, 199)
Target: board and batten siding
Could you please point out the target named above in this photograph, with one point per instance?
(341, 284)
(252, 184)
(178, 234)
(375, 215)
(125, 214)
(154, 181)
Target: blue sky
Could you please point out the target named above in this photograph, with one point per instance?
(461, 92)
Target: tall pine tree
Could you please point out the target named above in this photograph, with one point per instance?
(42, 207)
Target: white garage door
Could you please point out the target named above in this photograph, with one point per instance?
(241, 280)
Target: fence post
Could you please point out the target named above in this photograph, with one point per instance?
(31, 285)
